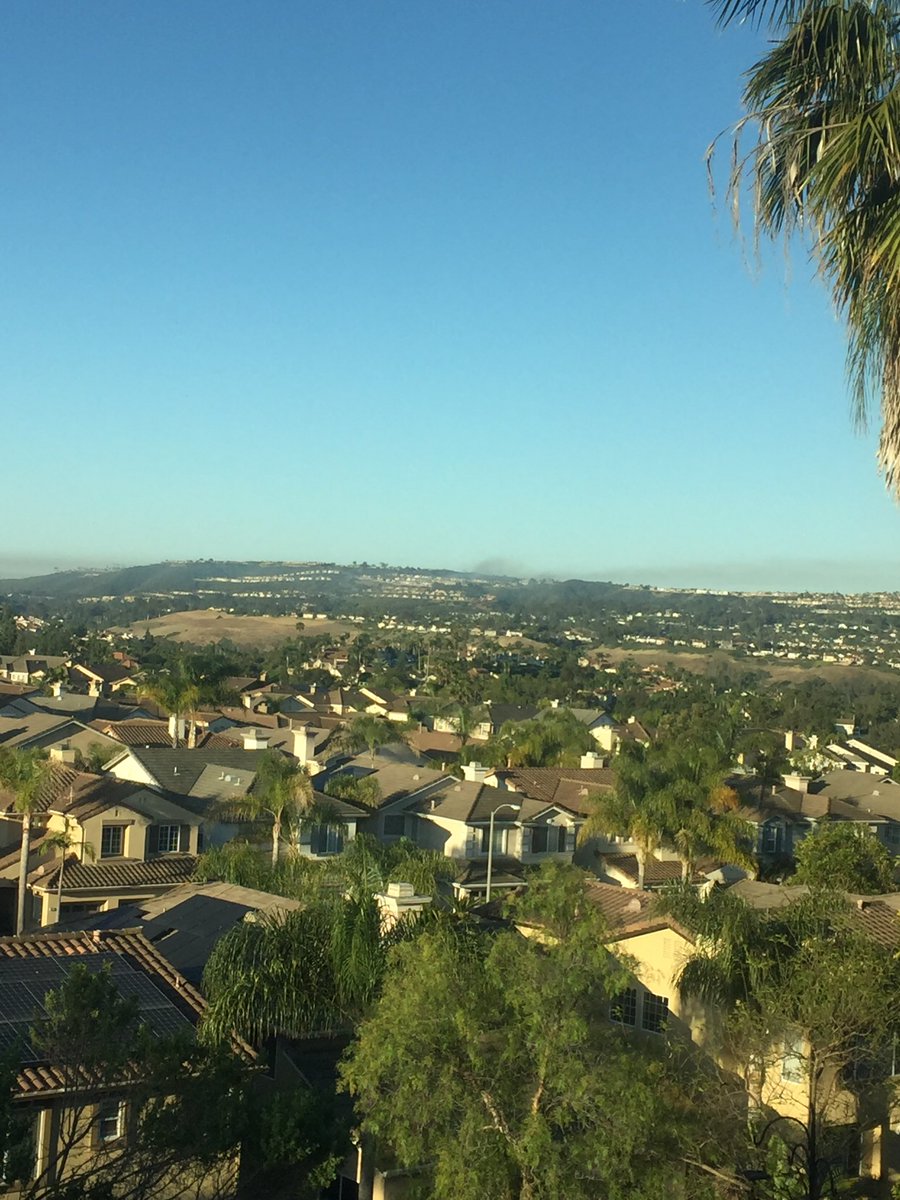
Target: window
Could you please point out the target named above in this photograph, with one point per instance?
(654, 1012)
(792, 1060)
(548, 839)
(326, 839)
(772, 839)
(395, 825)
(623, 1008)
(500, 839)
(111, 841)
(110, 1120)
(169, 839)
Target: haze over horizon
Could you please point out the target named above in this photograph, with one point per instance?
(429, 284)
(735, 577)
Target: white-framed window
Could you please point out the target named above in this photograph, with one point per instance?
(110, 1120)
(112, 840)
(623, 1007)
(654, 1013)
(169, 840)
(792, 1059)
(501, 838)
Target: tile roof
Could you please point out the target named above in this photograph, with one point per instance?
(112, 874)
(570, 787)
(32, 966)
(658, 872)
(136, 732)
(630, 911)
(877, 916)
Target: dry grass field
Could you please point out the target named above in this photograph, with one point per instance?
(718, 662)
(213, 625)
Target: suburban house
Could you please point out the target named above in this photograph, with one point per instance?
(211, 781)
(102, 679)
(782, 816)
(46, 731)
(74, 1125)
(31, 669)
(96, 842)
(531, 825)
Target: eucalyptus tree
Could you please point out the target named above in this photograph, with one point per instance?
(26, 774)
(824, 105)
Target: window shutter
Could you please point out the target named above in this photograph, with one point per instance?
(153, 839)
(570, 840)
(184, 839)
(471, 843)
(526, 839)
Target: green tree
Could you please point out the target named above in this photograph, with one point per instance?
(194, 1108)
(824, 102)
(359, 789)
(843, 857)
(805, 1000)
(516, 1086)
(368, 732)
(26, 774)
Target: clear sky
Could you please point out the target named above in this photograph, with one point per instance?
(434, 282)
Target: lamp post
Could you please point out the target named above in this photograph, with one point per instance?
(490, 861)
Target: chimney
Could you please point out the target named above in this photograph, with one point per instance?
(63, 754)
(397, 901)
(56, 689)
(304, 744)
(800, 783)
(791, 740)
(474, 772)
(255, 739)
(591, 761)
(176, 727)
(604, 736)
(94, 688)
(247, 700)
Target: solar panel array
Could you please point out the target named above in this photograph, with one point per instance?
(25, 982)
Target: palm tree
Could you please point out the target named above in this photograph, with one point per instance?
(62, 841)
(25, 773)
(368, 732)
(282, 794)
(633, 809)
(702, 813)
(824, 102)
(177, 695)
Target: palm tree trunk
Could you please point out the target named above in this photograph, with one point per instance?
(641, 865)
(59, 885)
(23, 874)
(191, 732)
(276, 838)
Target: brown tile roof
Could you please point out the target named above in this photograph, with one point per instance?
(570, 787)
(115, 873)
(630, 911)
(136, 732)
(658, 872)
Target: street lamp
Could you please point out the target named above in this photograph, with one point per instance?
(490, 861)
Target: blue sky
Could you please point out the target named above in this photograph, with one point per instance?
(434, 282)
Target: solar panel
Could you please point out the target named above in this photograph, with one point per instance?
(166, 1021)
(17, 1002)
(144, 989)
(44, 970)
